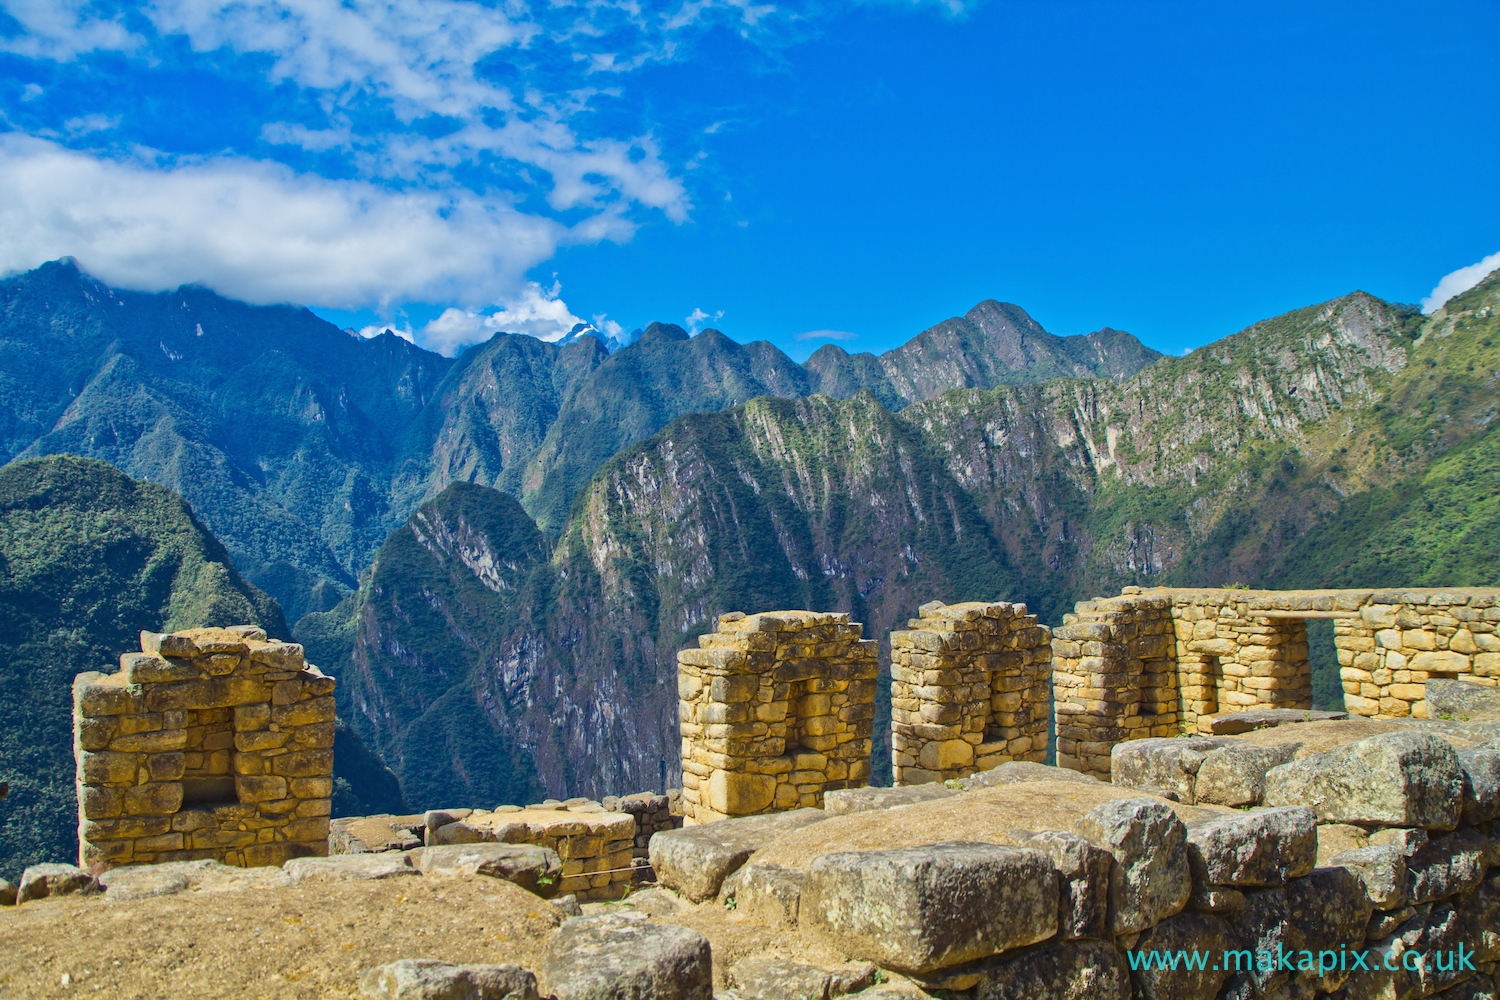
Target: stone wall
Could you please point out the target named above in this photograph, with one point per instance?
(1155, 663)
(1018, 884)
(775, 708)
(1402, 639)
(207, 744)
(1114, 678)
(602, 847)
(969, 690)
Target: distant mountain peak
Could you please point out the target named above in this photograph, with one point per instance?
(611, 343)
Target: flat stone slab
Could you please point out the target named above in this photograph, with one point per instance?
(535, 869)
(424, 979)
(1017, 772)
(142, 881)
(921, 909)
(48, 880)
(1400, 780)
(1460, 698)
(1233, 723)
(695, 860)
(1170, 764)
(367, 834)
(618, 957)
(349, 867)
(843, 801)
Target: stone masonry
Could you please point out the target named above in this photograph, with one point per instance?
(969, 690)
(213, 743)
(1153, 663)
(775, 709)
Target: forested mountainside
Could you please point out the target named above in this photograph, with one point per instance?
(302, 447)
(1346, 444)
(89, 558)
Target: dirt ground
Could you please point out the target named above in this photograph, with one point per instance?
(298, 942)
(312, 942)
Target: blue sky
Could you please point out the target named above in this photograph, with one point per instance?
(855, 171)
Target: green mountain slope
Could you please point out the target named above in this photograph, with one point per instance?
(278, 428)
(88, 558)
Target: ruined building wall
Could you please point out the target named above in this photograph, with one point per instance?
(209, 743)
(1156, 663)
(775, 709)
(969, 690)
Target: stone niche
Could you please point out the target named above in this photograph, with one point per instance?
(775, 709)
(970, 690)
(209, 743)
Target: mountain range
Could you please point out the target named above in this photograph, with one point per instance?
(302, 447)
(500, 554)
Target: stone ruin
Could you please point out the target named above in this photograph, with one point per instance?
(776, 708)
(212, 743)
(1157, 663)
(969, 690)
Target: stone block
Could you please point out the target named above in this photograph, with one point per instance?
(1083, 878)
(1171, 764)
(946, 755)
(738, 793)
(695, 860)
(1264, 847)
(767, 894)
(1326, 910)
(1481, 774)
(1445, 866)
(536, 869)
(1185, 932)
(49, 880)
(426, 979)
(303, 713)
(1072, 970)
(1235, 775)
(1382, 872)
(612, 957)
(156, 798)
(918, 910)
(350, 867)
(1259, 928)
(842, 801)
(106, 767)
(259, 788)
(1151, 878)
(1400, 779)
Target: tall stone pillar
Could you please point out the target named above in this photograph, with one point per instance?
(969, 690)
(775, 708)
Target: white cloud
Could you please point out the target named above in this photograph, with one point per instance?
(419, 54)
(827, 335)
(62, 29)
(261, 232)
(535, 310)
(695, 320)
(85, 124)
(1460, 281)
